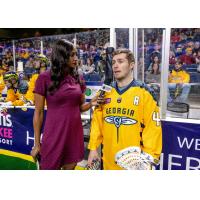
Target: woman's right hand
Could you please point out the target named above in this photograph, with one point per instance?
(93, 155)
(35, 151)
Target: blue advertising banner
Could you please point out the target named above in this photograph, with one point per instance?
(16, 130)
(181, 146)
(181, 141)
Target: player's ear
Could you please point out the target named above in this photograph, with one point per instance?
(132, 64)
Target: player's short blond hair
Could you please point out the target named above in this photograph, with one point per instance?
(129, 54)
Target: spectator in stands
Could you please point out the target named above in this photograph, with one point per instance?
(122, 37)
(85, 56)
(187, 58)
(89, 67)
(179, 50)
(175, 37)
(25, 54)
(4, 63)
(178, 82)
(155, 61)
(62, 143)
(196, 48)
(156, 51)
(97, 58)
(197, 35)
(190, 44)
(152, 51)
(80, 67)
(183, 36)
(172, 58)
(153, 76)
(197, 57)
(101, 65)
(30, 62)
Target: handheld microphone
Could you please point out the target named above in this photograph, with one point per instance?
(104, 88)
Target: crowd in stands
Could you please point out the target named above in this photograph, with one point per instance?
(184, 47)
(184, 61)
(122, 38)
(91, 46)
(91, 53)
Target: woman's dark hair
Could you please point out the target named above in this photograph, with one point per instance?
(90, 60)
(154, 58)
(61, 52)
(158, 69)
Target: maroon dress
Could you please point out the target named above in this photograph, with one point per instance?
(62, 140)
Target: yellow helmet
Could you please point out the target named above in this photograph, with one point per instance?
(10, 76)
(43, 58)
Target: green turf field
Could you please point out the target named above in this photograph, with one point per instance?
(14, 163)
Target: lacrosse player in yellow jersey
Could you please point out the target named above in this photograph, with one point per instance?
(16, 90)
(40, 65)
(128, 117)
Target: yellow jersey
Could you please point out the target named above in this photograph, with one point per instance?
(2, 84)
(179, 77)
(129, 117)
(30, 94)
(15, 97)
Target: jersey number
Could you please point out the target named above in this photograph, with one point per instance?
(156, 118)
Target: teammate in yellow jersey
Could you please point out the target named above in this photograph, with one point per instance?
(16, 92)
(128, 117)
(3, 69)
(40, 65)
(179, 82)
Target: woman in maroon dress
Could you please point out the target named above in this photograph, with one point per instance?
(62, 88)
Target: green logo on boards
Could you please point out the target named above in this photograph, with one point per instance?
(88, 92)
